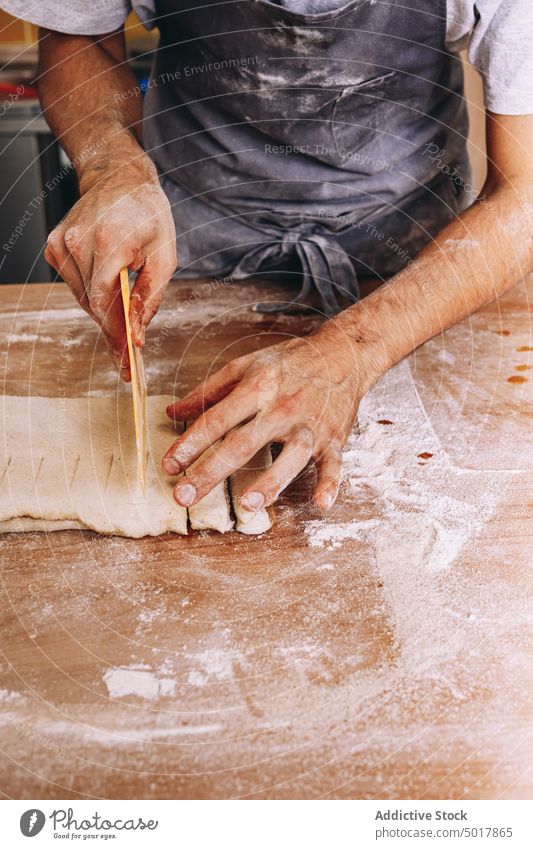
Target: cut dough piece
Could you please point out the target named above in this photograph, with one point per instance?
(71, 462)
(248, 522)
(212, 512)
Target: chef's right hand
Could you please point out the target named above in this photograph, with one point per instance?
(123, 219)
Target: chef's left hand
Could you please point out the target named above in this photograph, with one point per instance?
(303, 393)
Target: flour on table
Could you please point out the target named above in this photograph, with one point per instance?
(428, 508)
(137, 679)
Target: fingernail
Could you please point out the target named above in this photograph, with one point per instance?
(171, 466)
(185, 494)
(253, 501)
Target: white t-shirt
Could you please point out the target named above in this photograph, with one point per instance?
(498, 35)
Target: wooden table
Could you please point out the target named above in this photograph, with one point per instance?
(382, 653)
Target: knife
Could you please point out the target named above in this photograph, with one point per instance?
(138, 386)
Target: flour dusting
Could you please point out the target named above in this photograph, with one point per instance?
(28, 337)
(137, 680)
(426, 505)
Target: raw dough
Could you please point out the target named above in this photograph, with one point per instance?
(67, 460)
(247, 522)
(71, 463)
(213, 511)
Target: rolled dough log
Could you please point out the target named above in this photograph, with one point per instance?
(247, 522)
(71, 463)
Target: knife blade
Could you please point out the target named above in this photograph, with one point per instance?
(138, 386)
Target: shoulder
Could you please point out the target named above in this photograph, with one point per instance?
(74, 17)
(497, 35)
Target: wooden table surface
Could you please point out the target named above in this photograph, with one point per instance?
(383, 652)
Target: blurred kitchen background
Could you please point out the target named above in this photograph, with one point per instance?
(30, 157)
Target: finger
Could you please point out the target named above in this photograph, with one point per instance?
(236, 408)
(113, 327)
(329, 469)
(114, 330)
(209, 392)
(79, 242)
(236, 449)
(148, 290)
(105, 300)
(294, 457)
(57, 255)
(50, 256)
(104, 286)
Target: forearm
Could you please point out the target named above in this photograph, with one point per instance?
(82, 82)
(123, 218)
(473, 260)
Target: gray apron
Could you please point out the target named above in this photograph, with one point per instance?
(305, 143)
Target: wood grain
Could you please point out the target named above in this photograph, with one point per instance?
(220, 666)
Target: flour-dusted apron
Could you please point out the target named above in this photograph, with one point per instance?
(280, 136)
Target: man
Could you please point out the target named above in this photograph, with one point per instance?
(321, 138)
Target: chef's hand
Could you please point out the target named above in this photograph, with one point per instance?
(123, 219)
(303, 393)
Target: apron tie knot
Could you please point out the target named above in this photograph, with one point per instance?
(325, 265)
